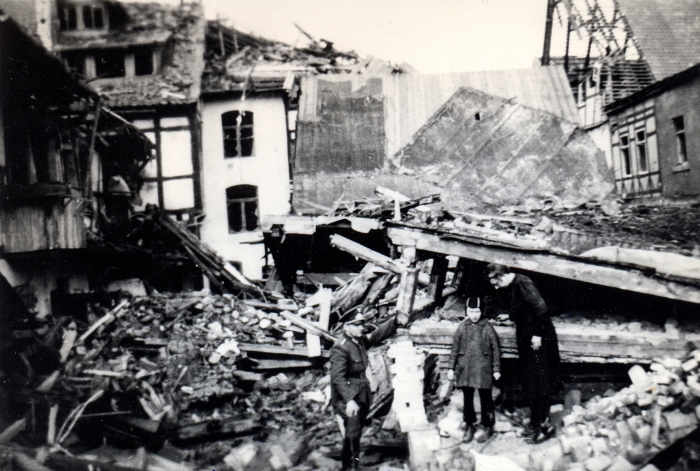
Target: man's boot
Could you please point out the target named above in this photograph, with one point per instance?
(347, 456)
(355, 453)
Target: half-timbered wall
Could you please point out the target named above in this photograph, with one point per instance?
(635, 151)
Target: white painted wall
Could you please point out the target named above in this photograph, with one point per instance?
(268, 169)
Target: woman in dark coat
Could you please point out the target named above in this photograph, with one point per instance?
(476, 357)
(538, 348)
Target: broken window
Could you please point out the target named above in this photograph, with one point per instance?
(109, 64)
(75, 62)
(143, 61)
(242, 204)
(238, 133)
(68, 18)
(170, 177)
(625, 151)
(641, 144)
(681, 150)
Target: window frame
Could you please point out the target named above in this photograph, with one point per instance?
(681, 142)
(239, 129)
(244, 208)
(641, 150)
(625, 154)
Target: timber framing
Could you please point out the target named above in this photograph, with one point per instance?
(549, 264)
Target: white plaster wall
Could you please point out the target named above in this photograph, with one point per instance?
(268, 169)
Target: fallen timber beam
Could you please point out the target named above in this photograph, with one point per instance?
(576, 345)
(629, 280)
(214, 429)
(359, 250)
(277, 350)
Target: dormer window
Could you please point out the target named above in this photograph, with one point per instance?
(82, 17)
(93, 17)
(68, 18)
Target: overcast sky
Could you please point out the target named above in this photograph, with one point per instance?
(432, 35)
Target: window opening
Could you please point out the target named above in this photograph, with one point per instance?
(477, 116)
(242, 205)
(625, 151)
(68, 19)
(681, 150)
(642, 151)
(109, 64)
(143, 62)
(238, 133)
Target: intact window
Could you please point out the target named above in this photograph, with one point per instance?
(681, 150)
(109, 64)
(238, 133)
(242, 205)
(641, 144)
(625, 152)
(93, 17)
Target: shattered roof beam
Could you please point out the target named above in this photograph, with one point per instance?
(562, 267)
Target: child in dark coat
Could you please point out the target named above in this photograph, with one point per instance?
(476, 358)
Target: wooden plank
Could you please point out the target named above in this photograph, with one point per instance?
(216, 428)
(308, 326)
(106, 319)
(10, 432)
(266, 365)
(268, 306)
(575, 344)
(628, 280)
(276, 350)
(364, 253)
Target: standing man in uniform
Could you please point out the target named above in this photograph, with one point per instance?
(538, 348)
(350, 392)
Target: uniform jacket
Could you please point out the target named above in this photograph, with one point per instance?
(529, 312)
(349, 361)
(475, 355)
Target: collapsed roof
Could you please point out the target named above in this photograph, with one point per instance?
(178, 30)
(237, 60)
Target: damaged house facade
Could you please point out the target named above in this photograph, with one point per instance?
(69, 169)
(634, 46)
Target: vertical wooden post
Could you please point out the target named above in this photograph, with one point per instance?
(437, 278)
(408, 282)
(459, 273)
(407, 291)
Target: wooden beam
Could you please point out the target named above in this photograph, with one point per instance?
(576, 345)
(407, 291)
(554, 265)
(277, 350)
(437, 278)
(364, 253)
(306, 325)
(211, 429)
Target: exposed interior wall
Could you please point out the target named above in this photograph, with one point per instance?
(267, 169)
(343, 129)
(679, 179)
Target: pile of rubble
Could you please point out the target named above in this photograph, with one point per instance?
(195, 368)
(624, 430)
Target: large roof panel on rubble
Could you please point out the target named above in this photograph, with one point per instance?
(410, 99)
(668, 33)
(178, 81)
(486, 147)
